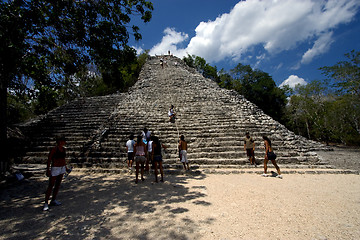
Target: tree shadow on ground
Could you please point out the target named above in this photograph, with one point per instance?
(103, 206)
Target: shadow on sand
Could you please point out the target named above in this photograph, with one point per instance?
(102, 207)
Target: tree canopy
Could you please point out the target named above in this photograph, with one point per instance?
(329, 110)
(259, 87)
(345, 74)
(48, 41)
(44, 43)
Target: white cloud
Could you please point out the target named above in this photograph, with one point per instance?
(259, 59)
(292, 81)
(169, 42)
(321, 45)
(279, 66)
(139, 50)
(275, 25)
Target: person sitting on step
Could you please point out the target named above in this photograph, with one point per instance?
(171, 114)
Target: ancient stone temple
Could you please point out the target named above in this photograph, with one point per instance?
(213, 121)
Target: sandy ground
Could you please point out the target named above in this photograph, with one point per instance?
(209, 206)
(190, 206)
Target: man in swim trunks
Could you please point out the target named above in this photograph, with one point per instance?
(183, 151)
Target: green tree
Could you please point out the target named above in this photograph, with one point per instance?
(309, 108)
(225, 80)
(201, 66)
(211, 72)
(259, 88)
(44, 43)
(316, 112)
(189, 60)
(346, 74)
(344, 78)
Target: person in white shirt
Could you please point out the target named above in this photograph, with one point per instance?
(130, 151)
(146, 135)
(149, 159)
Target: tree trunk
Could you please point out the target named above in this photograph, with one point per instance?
(4, 159)
(307, 128)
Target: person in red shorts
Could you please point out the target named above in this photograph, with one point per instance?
(55, 169)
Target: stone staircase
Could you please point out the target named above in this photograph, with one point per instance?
(79, 121)
(213, 121)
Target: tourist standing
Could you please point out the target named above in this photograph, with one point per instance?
(183, 151)
(157, 157)
(140, 159)
(130, 151)
(55, 169)
(269, 155)
(146, 135)
(179, 148)
(249, 147)
(149, 157)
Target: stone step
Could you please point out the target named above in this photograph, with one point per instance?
(202, 171)
(43, 153)
(39, 169)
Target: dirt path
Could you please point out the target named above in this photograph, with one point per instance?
(234, 206)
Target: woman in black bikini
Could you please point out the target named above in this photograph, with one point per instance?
(269, 155)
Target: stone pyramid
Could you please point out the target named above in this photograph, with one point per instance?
(213, 121)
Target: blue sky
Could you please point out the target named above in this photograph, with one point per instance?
(289, 39)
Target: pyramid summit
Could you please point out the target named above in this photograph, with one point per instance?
(213, 120)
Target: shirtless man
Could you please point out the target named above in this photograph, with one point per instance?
(183, 151)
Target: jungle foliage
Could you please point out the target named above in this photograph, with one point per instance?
(329, 110)
(51, 51)
(54, 51)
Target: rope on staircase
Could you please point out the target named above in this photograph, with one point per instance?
(172, 100)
